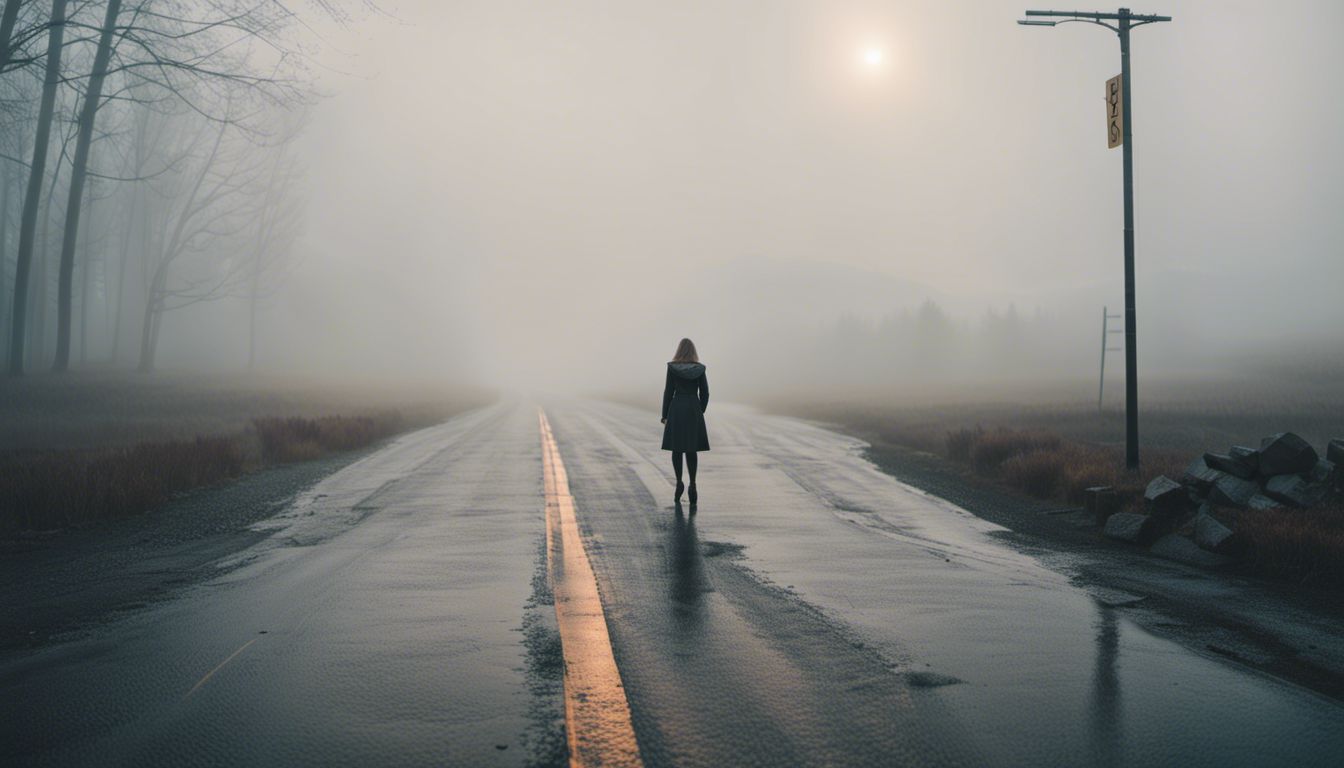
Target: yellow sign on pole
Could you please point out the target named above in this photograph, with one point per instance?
(1115, 112)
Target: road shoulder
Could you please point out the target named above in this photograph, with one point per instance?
(1270, 628)
(55, 587)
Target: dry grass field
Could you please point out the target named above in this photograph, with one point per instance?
(96, 410)
(1186, 414)
(79, 449)
(1050, 443)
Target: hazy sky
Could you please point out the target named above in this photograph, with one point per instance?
(560, 190)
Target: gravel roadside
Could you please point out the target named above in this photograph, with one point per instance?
(1276, 629)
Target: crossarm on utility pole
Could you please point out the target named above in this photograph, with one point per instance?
(1135, 18)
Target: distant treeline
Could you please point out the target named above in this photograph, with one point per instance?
(926, 343)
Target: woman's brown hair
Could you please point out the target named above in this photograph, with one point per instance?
(686, 352)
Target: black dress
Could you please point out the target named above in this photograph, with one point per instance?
(685, 399)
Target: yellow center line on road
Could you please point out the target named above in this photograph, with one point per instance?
(597, 715)
(212, 672)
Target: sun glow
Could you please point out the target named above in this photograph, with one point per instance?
(872, 57)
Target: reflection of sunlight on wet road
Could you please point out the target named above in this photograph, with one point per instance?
(597, 716)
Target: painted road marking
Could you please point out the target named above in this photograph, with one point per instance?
(597, 715)
(212, 672)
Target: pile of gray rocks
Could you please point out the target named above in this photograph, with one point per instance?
(1195, 518)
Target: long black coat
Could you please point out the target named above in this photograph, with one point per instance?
(685, 398)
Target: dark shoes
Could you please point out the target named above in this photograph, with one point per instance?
(680, 489)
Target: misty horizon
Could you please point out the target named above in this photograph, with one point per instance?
(592, 172)
(517, 194)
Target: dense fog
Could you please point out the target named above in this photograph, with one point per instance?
(822, 195)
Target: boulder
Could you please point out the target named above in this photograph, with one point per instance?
(1245, 455)
(1165, 498)
(1226, 462)
(1286, 454)
(1176, 547)
(1294, 491)
(1262, 502)
(1101, 502)
(1130, 526)
(1200, 476)
(1325, 472)
(1212, 535)
(1335, 450)
(1232, 491)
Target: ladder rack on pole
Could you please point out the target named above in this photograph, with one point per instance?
(1105, 331)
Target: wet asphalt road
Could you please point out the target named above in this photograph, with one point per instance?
(813, 611)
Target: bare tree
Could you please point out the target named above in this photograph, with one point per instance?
(28, 222)
(91, 237)
(78, 172)
(227, 62)
(40, 289)
(206, 208)
(277, 229)
(135, 219)
(22, 24)
(8, 18)
(4, 246)
(14, 135)
(183, 56)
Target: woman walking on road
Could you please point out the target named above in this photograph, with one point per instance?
(685, 398)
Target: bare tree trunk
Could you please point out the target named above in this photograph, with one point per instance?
(158, 299)
(40, 353)
(134, 210)
(37, 341)
(147, 339)
(28, 223)
(86, 283)
(37, 289)
(149, 331)
(4, 262)
(154, 339)
(252, 321)
(78, 171)
(254, 280)
(121, 277)
(7, 20)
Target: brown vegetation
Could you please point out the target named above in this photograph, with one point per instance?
(298, 439)
(989, 450)
(1305, 546)
(62, 488)
(1048, 466)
